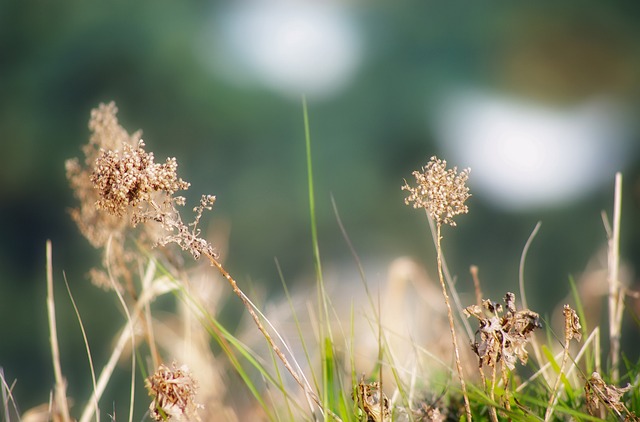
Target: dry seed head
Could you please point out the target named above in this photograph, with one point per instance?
(173, 391)
(440, 191)
(130, 177)
(118, 186)
(572, 327)
(129, 182)
(99, 227)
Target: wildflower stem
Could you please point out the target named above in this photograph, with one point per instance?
(61, 408)
(615, 303)
(505, 384)
(248, 305)
(554, 392)
(476, 284)
(493, 413)
(451, 323)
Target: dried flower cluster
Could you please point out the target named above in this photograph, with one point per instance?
(368, 399)
(440, 191)
(128, 178)
(173, 391)
(120, 186)
(503, 335)
(599, 395)
(100, 227)
(97, 226)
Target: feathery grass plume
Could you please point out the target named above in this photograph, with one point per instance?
(442, 193)
(173, 391)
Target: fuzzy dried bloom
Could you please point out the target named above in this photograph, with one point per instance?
(99, 227)
(119, 187)
(598, 392)
(173, 391)
(130, 177)
(130, 183)
(503, 335)
(440, 191)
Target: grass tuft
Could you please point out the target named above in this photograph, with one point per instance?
(355, 362)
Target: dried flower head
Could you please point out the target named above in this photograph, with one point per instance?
(372, 401)
(572, 327)
(120, 186)
(98, 226)
(173, 391)
(440, 191)
(129, 178)
(599, 393)
(503, 336)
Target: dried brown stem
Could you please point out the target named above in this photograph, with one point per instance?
(616, 304)
(454, 339)
(249, 306)
(61, 408)
(476, 284)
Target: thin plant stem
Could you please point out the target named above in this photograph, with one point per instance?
(133, 345)
(476, 284)
(147, 324)
(492, 393)
(554, 392)
(125, 335)
(88, 349)
(615, 304)
(494, 372)
(449, 279)
(248, 305)
(505, 382)
(523, 258)
(6, 394)
(62, 406)
(572, 329)
(323, 310)
(456, 351)
(107, 371)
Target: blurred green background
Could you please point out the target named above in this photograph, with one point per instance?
(542, 95)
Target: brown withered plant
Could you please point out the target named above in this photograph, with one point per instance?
(372, 401)
(121, 189)
(601, 397)
(442, 193)
(173, 390)
(503, 337)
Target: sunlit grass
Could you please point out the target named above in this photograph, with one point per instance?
(310, 365)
